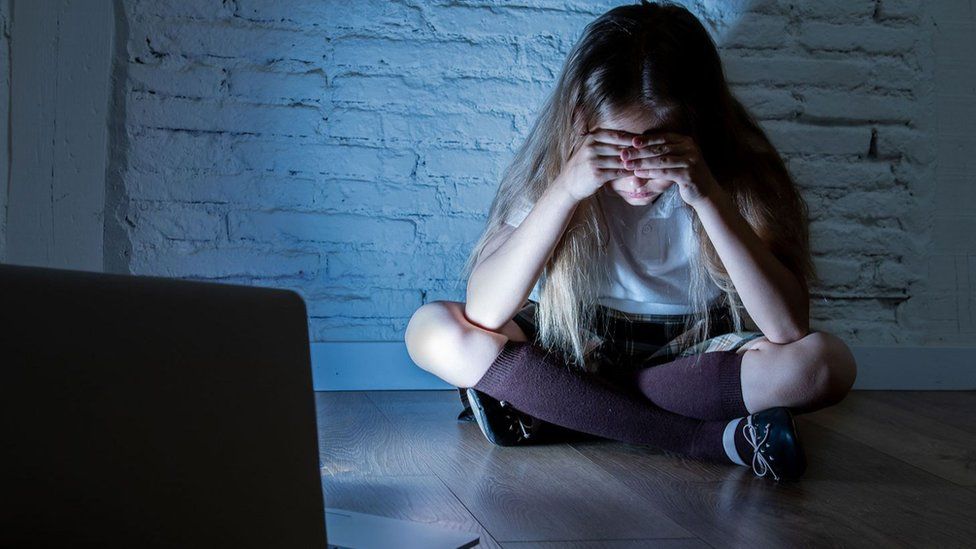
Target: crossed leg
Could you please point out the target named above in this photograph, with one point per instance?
(812, 372)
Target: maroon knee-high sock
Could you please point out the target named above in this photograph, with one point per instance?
(542, 385)
(710, 389)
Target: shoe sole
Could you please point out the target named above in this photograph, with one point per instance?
(798, 445)
(530, 431)
(799, 453)
(479, 416)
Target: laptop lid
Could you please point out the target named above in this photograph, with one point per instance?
(147, 412)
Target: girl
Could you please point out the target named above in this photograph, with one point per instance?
(645, 220)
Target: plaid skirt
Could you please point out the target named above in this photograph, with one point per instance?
(636, 341)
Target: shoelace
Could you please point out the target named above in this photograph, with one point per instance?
(521, 424)
(759, 464)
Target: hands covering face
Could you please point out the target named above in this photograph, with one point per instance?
(656, 160)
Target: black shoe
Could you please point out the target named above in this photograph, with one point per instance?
(500, 422)
(777, 452)
(466, 414)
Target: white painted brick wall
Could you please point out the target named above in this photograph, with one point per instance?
(350, 151)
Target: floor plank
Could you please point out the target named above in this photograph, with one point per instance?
(611, 544)
(419, 498)
(851, 495)
(927, 443)
(886, 469)
(948, 407)
(534, 493)
(354, 437)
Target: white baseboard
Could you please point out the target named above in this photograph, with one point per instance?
(368, 366)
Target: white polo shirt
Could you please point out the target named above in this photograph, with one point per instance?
(649, 253)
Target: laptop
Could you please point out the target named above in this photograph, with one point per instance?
(143, 411)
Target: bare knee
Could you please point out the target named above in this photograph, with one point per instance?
(440, 341)
(431, 334)
(825, 368)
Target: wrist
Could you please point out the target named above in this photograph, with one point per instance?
(565, 197)
(714, 200)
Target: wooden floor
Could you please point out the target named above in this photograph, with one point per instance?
(886, 469)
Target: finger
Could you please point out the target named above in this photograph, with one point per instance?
(666, 161)
(673, 174)
(657, 138)
(607, 150)
(613, 137)
(607, 174)
(608, 162)
(632, 153)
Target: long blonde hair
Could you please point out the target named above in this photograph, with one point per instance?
(647, 55)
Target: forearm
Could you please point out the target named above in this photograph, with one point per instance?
(771, 293)
(501, 282)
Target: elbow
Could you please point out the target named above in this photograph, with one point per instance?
(783, 336)
(794, 327)
(483, 319)
(478, 314)
(788, 332)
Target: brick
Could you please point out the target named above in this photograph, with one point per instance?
(453, 20)
(905, 143)
(177, 221)
(896, 274)
(900, 9)
(854, 308)
(363, 302)
(463, 164)
(758, 32)
(207, 262)
(842, 73)
(331, 16)
(816, 173)
(285, 226)
(875, 39)
(202, 40)
(272, 86)
(834, 237)
(338, 328)
(833, 9)
(789, 137)
(838, 272)
(444, 229)
(201, 115)
(768, 103)
(858, 107)
(186, 81)
(380, 198)
(253, 188)
(179, 9)
(472, 198)
(152, 150)
(875, 207)
(398, 56)
(334, 160)
(395, 265)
